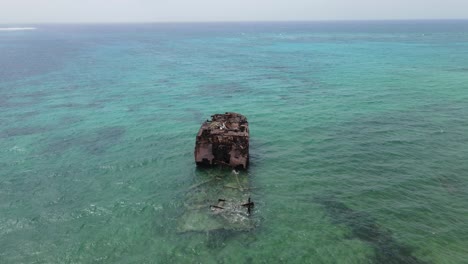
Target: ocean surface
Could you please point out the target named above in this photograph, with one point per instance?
(359, 141)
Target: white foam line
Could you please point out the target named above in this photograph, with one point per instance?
(17, 28)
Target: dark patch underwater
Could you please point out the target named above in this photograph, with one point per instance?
(365, 228)
(93, 142)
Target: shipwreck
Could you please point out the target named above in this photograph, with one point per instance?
(220, 198)
(223, 140)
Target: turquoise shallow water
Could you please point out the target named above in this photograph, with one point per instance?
(359, 141)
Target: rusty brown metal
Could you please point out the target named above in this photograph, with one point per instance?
(223, 140)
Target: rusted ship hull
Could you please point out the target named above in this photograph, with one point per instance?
(221, 198)
(223, 140)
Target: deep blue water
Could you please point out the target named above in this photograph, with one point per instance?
(359, 141)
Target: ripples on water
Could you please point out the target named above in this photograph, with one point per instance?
(358, 141)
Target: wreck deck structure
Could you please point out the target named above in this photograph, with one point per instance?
(223, 140)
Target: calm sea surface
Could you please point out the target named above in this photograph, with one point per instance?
(359, 141)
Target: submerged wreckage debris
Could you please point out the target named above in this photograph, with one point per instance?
(223, 140)
(221, 198)
(218, 202)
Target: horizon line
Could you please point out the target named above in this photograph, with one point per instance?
(234, 21)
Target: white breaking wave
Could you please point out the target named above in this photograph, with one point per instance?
(16, 28)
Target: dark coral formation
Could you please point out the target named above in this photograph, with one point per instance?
(223, 140)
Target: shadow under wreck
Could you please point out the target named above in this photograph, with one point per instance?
(221, 199)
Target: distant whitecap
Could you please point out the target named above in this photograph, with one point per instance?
(17, 28)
